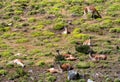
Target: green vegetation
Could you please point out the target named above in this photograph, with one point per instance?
(34, 28)
(3, 72)
(83, 65)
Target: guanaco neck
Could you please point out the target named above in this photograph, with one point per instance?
(90, 55)
(58, 52)
(66, 29)
(60, 69)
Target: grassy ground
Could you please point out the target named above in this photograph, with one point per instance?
(33, 28)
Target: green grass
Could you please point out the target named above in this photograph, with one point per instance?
(33, 28)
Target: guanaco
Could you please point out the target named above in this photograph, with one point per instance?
(87, 42)
(19, 62)
(65, 31)
(65, 66)
(53, 70)
(92, 10)
(71, 58)
(97, 57)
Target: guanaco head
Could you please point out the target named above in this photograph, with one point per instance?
(58, 51)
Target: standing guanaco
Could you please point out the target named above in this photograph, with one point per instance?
(92, 10)
(87, 42)
(65, 31)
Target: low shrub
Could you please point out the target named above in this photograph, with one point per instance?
(83, 49)
(32, 19)
(115, 30)
(6, 53)
(18, 12)
(3, 72)
(48, 34)
(117, 21)
(80, 36)
(36, 34)
(38, 27)
(41, 63)
(77, 31)
(83, 65)
(59, 58)
(51, 78)
(76, 10)
(59, 25)
(107, 23)
(116, 80)
(22, 40)
(93, 28)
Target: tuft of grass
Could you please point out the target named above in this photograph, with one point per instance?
(83, 65)
(59, 25)
(115, 30)
(22, 40)
(41, 63)
(3, 72)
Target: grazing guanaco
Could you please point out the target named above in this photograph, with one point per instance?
(65, 31)
(97, 57)
(19, 62)
(92, 10)
(87, 42)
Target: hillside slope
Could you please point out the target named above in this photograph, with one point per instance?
(34, 29)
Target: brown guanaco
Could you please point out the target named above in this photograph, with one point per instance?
(87, 42)
(66, 67)
(92, 10)
(97, 57)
